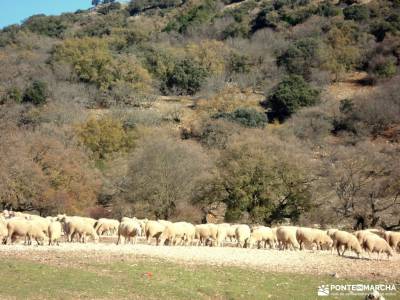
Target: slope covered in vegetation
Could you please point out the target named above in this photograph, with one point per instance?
(169, 108)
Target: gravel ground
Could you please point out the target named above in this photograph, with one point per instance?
(309, 262)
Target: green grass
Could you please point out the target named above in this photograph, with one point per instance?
(22, 279)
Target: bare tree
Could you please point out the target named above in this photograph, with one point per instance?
(163, 173)
(365, 179)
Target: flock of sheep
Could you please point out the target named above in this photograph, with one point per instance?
(14, 225)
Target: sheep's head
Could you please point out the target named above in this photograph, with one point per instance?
(389, 252)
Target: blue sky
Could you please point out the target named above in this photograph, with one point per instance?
(14, 11)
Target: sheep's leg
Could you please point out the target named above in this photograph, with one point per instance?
(338, 249)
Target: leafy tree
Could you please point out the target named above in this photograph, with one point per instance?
(341, 52)
(104, 136)
(186, 77)
(42, 173)
(356, 13)
(258, 178)
(300, 57)
(291, 94)
(36, 94)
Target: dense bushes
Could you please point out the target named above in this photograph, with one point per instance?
(46, 25)
(194, 17)
(300, 57)
(245, 116)
(93, 62)
(356, 13)
(186, 77)
(256, 178)
(36, 93)
(138, 6)
(104, 136)
(289, 96)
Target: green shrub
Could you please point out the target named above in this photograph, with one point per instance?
(383, 66)
(300, 57)
(328, 10)
(196, 16)
(186, 77)
(267, 17)
(15, 94)
(45, 25)
(298, 15)
(379, 29)
(36, 93)
(105, 10)
(137, 6)
(248, 117)
(356, 12)
(104, 136)
(291, 94)
(239, 63)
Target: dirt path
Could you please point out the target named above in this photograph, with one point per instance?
(303, 262)
(350, 87)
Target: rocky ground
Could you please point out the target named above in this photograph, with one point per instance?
(299, 262)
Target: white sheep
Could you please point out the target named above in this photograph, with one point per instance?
(286, 236)
(347, 241)
(106, 226)
(311, 236)
(374, 243)
(261, 234)
(3, 230)
(81, 227)
(178, 233)
(55, 230)
(393, 238)
(222, 232)
(242, 234)
(205, 233)
(153, 229)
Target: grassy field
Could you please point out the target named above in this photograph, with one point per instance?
(152, 279)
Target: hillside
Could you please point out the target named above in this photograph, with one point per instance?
(253, 111)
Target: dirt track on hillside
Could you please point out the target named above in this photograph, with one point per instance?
(303, 262)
